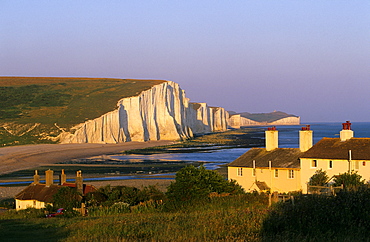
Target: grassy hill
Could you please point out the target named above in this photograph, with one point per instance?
(46, 101)
(266, 117)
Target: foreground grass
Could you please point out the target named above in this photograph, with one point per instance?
(221, 218)
(232, 218)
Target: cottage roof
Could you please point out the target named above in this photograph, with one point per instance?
(39, 192)
(43, 193)
(334, 148)
(86, 188)
(280, 158)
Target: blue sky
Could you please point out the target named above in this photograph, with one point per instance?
(309, 58)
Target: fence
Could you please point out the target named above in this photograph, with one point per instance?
(323, 190)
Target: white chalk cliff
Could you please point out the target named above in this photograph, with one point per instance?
(237, 121)
(160, 113)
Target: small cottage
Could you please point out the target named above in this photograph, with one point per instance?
(37, 195)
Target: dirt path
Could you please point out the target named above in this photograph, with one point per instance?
(30, 156)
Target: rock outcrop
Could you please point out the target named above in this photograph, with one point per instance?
(160, 113)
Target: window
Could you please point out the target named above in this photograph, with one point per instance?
(254, 172)
(357, 165)
(330, 164)
(240, 171)
(291, 174)
(363, 163)
(276, 173)
(314, 163)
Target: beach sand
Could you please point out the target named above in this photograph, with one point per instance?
(30, 156)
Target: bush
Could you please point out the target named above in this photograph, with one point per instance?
(193, 183)
(67, 198)
(108, 196)
(319, 178)
(23, 214)
(349, 180)
(345, 215)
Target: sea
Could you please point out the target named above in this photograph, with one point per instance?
(288, 138)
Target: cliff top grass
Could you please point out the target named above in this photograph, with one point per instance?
(65, 101)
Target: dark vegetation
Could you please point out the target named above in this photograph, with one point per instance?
(344, 217)
(212, 209)
(66, 102)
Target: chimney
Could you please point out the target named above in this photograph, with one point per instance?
(36, 178)
(346, 132)
(305, 138)
(62, 178)
(49, 175)
(79, 182)
(271, 138)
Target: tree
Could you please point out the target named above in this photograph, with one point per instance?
(67, 198)
(197, 183)
(350, 180)
(319, 178)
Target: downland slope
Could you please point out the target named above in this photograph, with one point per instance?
(37, 109)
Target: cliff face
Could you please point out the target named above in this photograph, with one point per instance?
(236, 121)
(160, 113)
(287, 121)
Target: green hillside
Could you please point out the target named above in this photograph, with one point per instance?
(25, 101)
(266, 117)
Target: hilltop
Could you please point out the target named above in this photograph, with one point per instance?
(31, 107)
(100, 110)
(50, 100)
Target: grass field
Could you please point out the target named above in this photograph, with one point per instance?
(31, 107)
(220, 219)
(232, 218)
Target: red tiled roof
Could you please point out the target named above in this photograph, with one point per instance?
(334, 148)
(280, 158)
(86, 188)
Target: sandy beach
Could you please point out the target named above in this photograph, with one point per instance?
(29, 156)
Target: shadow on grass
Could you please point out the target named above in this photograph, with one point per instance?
(32, 230)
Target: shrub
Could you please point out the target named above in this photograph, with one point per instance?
(193, 183)
(319, 178)
(350, 180)
(67, 198)
(317, 216)
(23, 214)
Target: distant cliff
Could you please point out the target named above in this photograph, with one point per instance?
(161, 113)
(238, 120)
